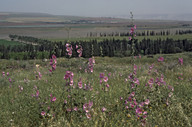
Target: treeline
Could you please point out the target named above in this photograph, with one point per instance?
(144, 33)
(40, 49)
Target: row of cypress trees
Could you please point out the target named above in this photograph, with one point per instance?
(35, 48)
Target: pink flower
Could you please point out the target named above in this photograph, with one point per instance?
(135, 27)
(87, 106)
(7, 73)
(132, 105)
(139, 111)
(133, 94)
(181, 61)
(105, 79)
(103, 109)
(37, 93)
(160, 59)
(88, 115)
(53, 56)
(3, 73)
(129, 99)
(80, 85)
(53, 99)
(145, 112)
(101, 75)
(10, 80)
(130, 38)
(75, 109)
(147, 101)
(43, 113)
(107, 85)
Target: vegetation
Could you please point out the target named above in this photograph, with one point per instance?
(148, 93)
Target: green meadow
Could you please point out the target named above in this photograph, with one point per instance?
(119, 92)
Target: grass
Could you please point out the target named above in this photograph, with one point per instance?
(9, 43)
(167, 107)
(174, 37)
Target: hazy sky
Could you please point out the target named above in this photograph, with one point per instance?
(97, 7)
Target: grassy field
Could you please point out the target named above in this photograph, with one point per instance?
(9, 43)
(139, 92)
(174, 37)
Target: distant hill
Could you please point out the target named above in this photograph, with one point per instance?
(179, 17)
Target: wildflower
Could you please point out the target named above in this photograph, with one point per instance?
(133, 94)
(75, 109)
(43, 113)
(107, 85)
(7, 73)
(147, 101)
(87, 106)
(130, 38)
(101, 75)
(181, 61)
(160, 59)
(3, 73)
(20, 88)
(10, 80)
(132, 105)
(105, 79)
(88, 115)
(53, 99)
(145, 112)
(103, 109)
(80, 84)
(40, 75)
(37, 93)
(129, 99)
(139, 111)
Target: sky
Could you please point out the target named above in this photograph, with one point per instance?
(95, 8)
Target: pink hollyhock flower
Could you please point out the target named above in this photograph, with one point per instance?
(103, 109)
(75, 109)
(181, 61)
(53, 56)
(3, 73)
(53, 99)
(80, 85)
(133, 94)
(37, 93)
(132, 105)
(88, 115)
(105, 79)
(129, 99)
(43, 113)
(145, 112)
(160, 59)
(10, 80)
(101, 75)
(139, 111)
(147, 101)
(130, 38)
